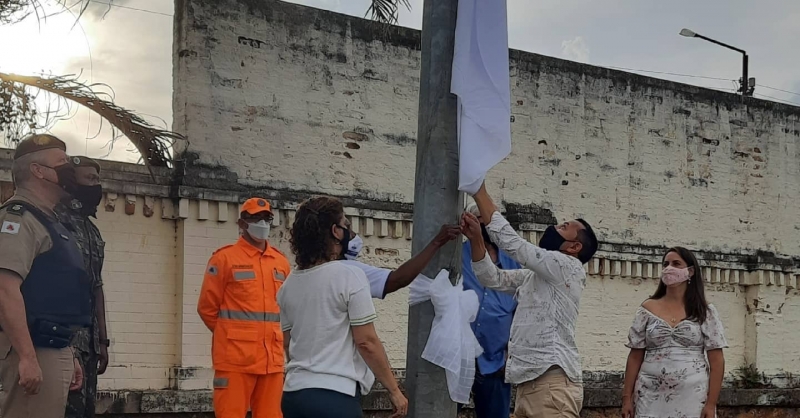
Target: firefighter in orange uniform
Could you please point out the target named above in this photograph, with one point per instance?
(238, 303)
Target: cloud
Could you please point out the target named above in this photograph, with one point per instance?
(131, 50)
(575, 50)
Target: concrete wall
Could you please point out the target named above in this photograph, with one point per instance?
(296, 100)
(139, 281)
(289, 97)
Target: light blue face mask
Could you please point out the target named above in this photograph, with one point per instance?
(354, 247)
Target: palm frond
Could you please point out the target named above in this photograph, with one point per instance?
(13, 11)
(386, 11)
(19, 114)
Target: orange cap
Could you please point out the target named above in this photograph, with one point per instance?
(255, 206)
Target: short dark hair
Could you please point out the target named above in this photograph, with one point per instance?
(311, 238)
(588, 241)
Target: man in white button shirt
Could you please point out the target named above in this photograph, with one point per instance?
(384, 281)
(543, 356)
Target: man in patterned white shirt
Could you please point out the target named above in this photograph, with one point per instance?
(543, 356)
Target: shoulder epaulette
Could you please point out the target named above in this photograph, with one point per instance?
(277, 251)
(15, 209)
(222, 248)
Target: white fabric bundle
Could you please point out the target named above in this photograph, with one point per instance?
(481, 82)
(454, 310)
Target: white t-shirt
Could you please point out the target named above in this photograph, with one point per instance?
(319, 306)
(376, 276)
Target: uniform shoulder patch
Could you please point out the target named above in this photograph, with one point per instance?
(212, 270)
(9, 227)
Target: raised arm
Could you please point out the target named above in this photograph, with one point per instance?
(408, 271)
(546, 264)
(487, 273)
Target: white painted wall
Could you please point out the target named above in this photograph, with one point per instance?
(293, 98)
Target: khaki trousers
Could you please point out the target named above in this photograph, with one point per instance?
(57, 369)
(548, 396)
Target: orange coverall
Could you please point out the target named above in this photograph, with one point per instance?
(238, 303)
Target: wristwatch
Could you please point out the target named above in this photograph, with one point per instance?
(106, 342)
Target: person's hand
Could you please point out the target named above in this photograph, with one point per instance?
(471, 227)
(77, 376)
(709, 411)
(30, 375)
(102, 359)
(446, 234)
(399, 402)
(627, 407)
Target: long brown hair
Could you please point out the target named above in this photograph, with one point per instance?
(311, 238)
(695, 298)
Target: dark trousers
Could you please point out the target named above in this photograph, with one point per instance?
(81, 403)
(320, 403)
(491, 396)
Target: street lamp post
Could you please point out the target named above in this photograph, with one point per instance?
(747, 85)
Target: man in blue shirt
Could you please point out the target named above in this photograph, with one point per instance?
(492, 326)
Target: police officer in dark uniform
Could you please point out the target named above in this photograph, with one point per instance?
(44, 287)
(90, 345)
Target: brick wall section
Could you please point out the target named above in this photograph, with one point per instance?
(199, 239)
(139, 281)
(158, 248)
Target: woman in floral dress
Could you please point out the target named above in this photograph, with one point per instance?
(676, 365)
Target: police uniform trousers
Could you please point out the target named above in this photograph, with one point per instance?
(57, 370)
(80, 403)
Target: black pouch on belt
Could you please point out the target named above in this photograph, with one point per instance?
(50, 334)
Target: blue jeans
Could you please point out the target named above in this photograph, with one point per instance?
(491, 396)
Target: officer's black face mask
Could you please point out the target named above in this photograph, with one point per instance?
(66, 177)
(90, 197)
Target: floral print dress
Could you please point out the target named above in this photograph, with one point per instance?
(673, 379)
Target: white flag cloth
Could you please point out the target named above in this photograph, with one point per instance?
(454, 308)
(481, 82)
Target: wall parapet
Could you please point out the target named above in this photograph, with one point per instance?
(627, 261)
(199, 401)
(386, 218)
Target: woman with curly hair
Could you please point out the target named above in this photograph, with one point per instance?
(676, 365)
(327, 320)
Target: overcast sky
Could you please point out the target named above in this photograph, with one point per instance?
(131, 50)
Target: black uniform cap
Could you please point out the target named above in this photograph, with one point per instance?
(81, 161)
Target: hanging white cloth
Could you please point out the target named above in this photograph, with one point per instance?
(481, 82)
(454, 309)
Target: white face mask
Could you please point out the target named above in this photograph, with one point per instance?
(259, 230)
(354, 248)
